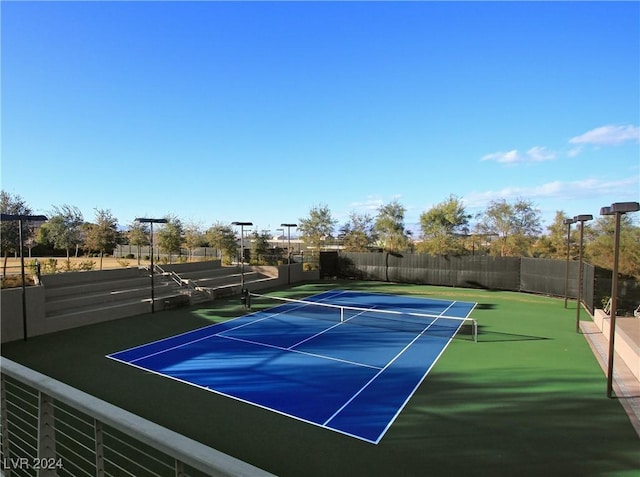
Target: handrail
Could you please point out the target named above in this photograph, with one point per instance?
(173, 275)
(173, 444)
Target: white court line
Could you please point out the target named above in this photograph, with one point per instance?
(350, 400)
(324, 426)
(266, 345)
(330, 328)
(269, 316)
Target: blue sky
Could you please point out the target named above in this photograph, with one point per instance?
(259, 111)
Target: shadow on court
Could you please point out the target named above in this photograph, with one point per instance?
(488, 336)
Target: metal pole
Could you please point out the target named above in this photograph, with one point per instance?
(582, 219)
(614, 305)
(288, 226)
(242, 224)
(618, 209)
(152, 271)
(288, 255)
(24, 288)
(19, 218)
(144, 220)
(566, 275)
(579, 280)
(242, 258)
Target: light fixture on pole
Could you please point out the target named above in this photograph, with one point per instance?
(242, 225)
(144, 220)
(288, 226)
(582, 219)
(21, 219)
(618, 209)
(568, 223)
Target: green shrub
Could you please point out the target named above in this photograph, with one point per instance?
(86, 265)
(50, 266)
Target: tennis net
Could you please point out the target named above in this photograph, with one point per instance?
(395, 320)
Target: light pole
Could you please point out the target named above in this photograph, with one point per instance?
(20, 219)
(288, 226)
(568, 223)
(582, 219)
(144, 220)
(618, 209)
(242, 225)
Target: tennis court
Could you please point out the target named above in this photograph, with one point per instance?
(346, 361)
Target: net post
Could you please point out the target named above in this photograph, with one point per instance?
(475, 331)
(341, 314)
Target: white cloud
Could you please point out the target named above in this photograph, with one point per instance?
(586, 188)
(573, 152)
(371, 203)
(509, 157)
(539, 154)
(535, 154)
(609, 135)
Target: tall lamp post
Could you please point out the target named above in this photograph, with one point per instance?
(144, 220)
(568, 223)
(582, 219)
(20, 219)
(618, 209)
(242, 225)
(288, 226)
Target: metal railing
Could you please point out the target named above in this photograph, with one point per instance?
(172, 275)
(184, 282)
(50, 429)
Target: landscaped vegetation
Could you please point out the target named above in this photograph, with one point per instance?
(502, 229)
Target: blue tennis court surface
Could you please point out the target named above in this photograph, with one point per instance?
(349, 371)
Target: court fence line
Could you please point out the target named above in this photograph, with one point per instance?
(519, 274)
(49, 428)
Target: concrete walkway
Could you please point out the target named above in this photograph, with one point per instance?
(625, 385)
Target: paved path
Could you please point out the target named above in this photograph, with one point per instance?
(625, 384)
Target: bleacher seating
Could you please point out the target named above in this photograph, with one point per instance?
(126, 292)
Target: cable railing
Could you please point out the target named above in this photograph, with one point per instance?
(51, 429)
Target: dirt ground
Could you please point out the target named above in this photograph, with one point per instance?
(13, 264)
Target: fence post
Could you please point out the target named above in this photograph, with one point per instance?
(99, 448)
(179, 468)
(4, 423)
(46, 434)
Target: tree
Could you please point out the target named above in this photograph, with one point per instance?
(358, 234)
(170, 236)
(222, 237)
(193, 237)
(64, 228)
(138, 235)
(317, 227)
(102, 236)
(259, 246)
(517, 225)
(10, 230)
(599, 244)
(441, 227)
(554, 244)
(389, 225)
